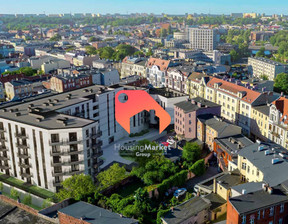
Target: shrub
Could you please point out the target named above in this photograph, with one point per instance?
(47, 203)
(1, 186)
(27, 199)
(14, 193)
(198, 168)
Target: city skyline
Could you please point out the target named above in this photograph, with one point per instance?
(148, 6)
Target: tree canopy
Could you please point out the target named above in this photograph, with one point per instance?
(281, 83)
(191, 152)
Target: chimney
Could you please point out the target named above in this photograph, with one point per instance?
(199, 104)
(270, 190)
(214, 186)
(264, 187)
(244, 191)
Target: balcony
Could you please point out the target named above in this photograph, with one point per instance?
(55, 142)
(2, 130)
(4, 167)
(97, 154)
(3, 139)
(57, 173)
(70, 162)
(56, 153)
(96, 135)
(3, 148)
(68, 151)
(23, 155)
(97, 145)
(56, 183)
(24, 165)
(57, 163)
(21, 135)
(4, 158)
(98, 164)
(26, 175)
(73, 172)
(22, 146)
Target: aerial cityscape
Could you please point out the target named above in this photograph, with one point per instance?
(143, 112)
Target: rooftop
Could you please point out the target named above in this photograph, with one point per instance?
(268, 61)
(191, 105)
(264, 109)
(168, 93)
(252, 201)
(94, 214)
(262, 156)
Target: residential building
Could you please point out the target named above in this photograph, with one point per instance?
(227, 148)
(176, 78)
(196, 84)
(102, 64)
(249, 15)
(262, 162)
(261, 35)
(48, 139)
(105, 77)
(84, 60)
(278, 122)
(268, 205)
(260, 122)
(6, 50)
(201, 38)
(64, 83)
(157, 71)
(133, 66)
(236, 100)
(195, 210)
(85, 213)
(210, 127)
(186, 113)
(54, 64)
(22, 88)
(265, 67)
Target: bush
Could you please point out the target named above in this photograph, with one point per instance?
(160, 214)
(47, 203)
(27, 199)
(1, 186)
(198, 168)
(14, 193)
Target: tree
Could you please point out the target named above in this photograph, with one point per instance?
(47, 203)
(27, 199)
(111, 176)
(264, 77)
(91, 50)
(191, 152)
(92, 39)
(261, 52)
(14, 193)
(281, 83)
(234, 55)
(56, 37)
(1, 186)
(198, 168)
(149, 53)
(77, 187)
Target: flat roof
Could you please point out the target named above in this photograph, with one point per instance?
(189, 106)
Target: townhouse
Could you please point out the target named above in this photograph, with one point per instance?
(236, 101)
(196, 84)
(260, 122)
(133, 66)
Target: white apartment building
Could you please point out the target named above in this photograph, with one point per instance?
(200, 38)
(265, 67)
(46, 140)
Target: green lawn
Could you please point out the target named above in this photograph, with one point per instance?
(43, 193)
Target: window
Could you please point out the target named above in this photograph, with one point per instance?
(252, 219)
(243, 219)
(271, 211)
(243, 166)
(281, 208)
(257, 173)
(280, 221)
(248, 170)
(259, 215)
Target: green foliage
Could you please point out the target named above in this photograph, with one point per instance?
(27, 199)
(149, 53)
(155, 170)
(118, 54)
(178, 179)
(191, 152)
(281, 83)
(56, 37)
(198, 168)
(234, 55)
(77, 187)
(261, 52)
(120, 32)
(264, 77)
(143, 132)
(161, 213)
(90, 50)
(47, 203)
(111, 176)
(28, 71)
(1, 186)
(14, 193)
(93, 39)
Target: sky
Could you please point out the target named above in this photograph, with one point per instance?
(147, 6)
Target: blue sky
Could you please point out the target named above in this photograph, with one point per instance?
(154, 6)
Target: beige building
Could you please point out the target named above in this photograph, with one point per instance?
(196, 85)
(133, 66)
(260, 121)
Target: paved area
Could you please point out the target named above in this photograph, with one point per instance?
(17, 216)
(111, 152)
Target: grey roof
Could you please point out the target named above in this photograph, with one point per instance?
(186, 210)
(249, 187)
(274, 174)
(94, 214)
(189, 106)
(229, 180)
(215, 199)
(20, 82)
(233, 144)
(264, 109)
(222, 127)
(248, 203)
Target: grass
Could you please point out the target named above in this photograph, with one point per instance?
(30, 205)
(40, 192)
(129, 189)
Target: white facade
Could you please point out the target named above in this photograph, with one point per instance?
(204, 39)
(156, 77)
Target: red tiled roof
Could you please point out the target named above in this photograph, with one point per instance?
(231, 88)
(162, 64)
(282, 105)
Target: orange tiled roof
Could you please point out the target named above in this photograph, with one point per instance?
(162, 64)
(231, 88)
(282, 105)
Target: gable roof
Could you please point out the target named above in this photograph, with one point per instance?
(282, 105)
(162, 64)
(231, 88)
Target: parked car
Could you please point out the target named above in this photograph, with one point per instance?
(180, 192)
(170, 141)
(165, 143)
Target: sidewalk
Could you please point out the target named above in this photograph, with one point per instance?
(111, 154)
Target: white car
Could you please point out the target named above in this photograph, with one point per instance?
(170, 141)
(180, 192)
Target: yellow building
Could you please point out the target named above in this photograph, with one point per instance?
(196, 84)
(260, 121)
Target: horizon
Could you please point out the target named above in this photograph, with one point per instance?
(148, 6)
